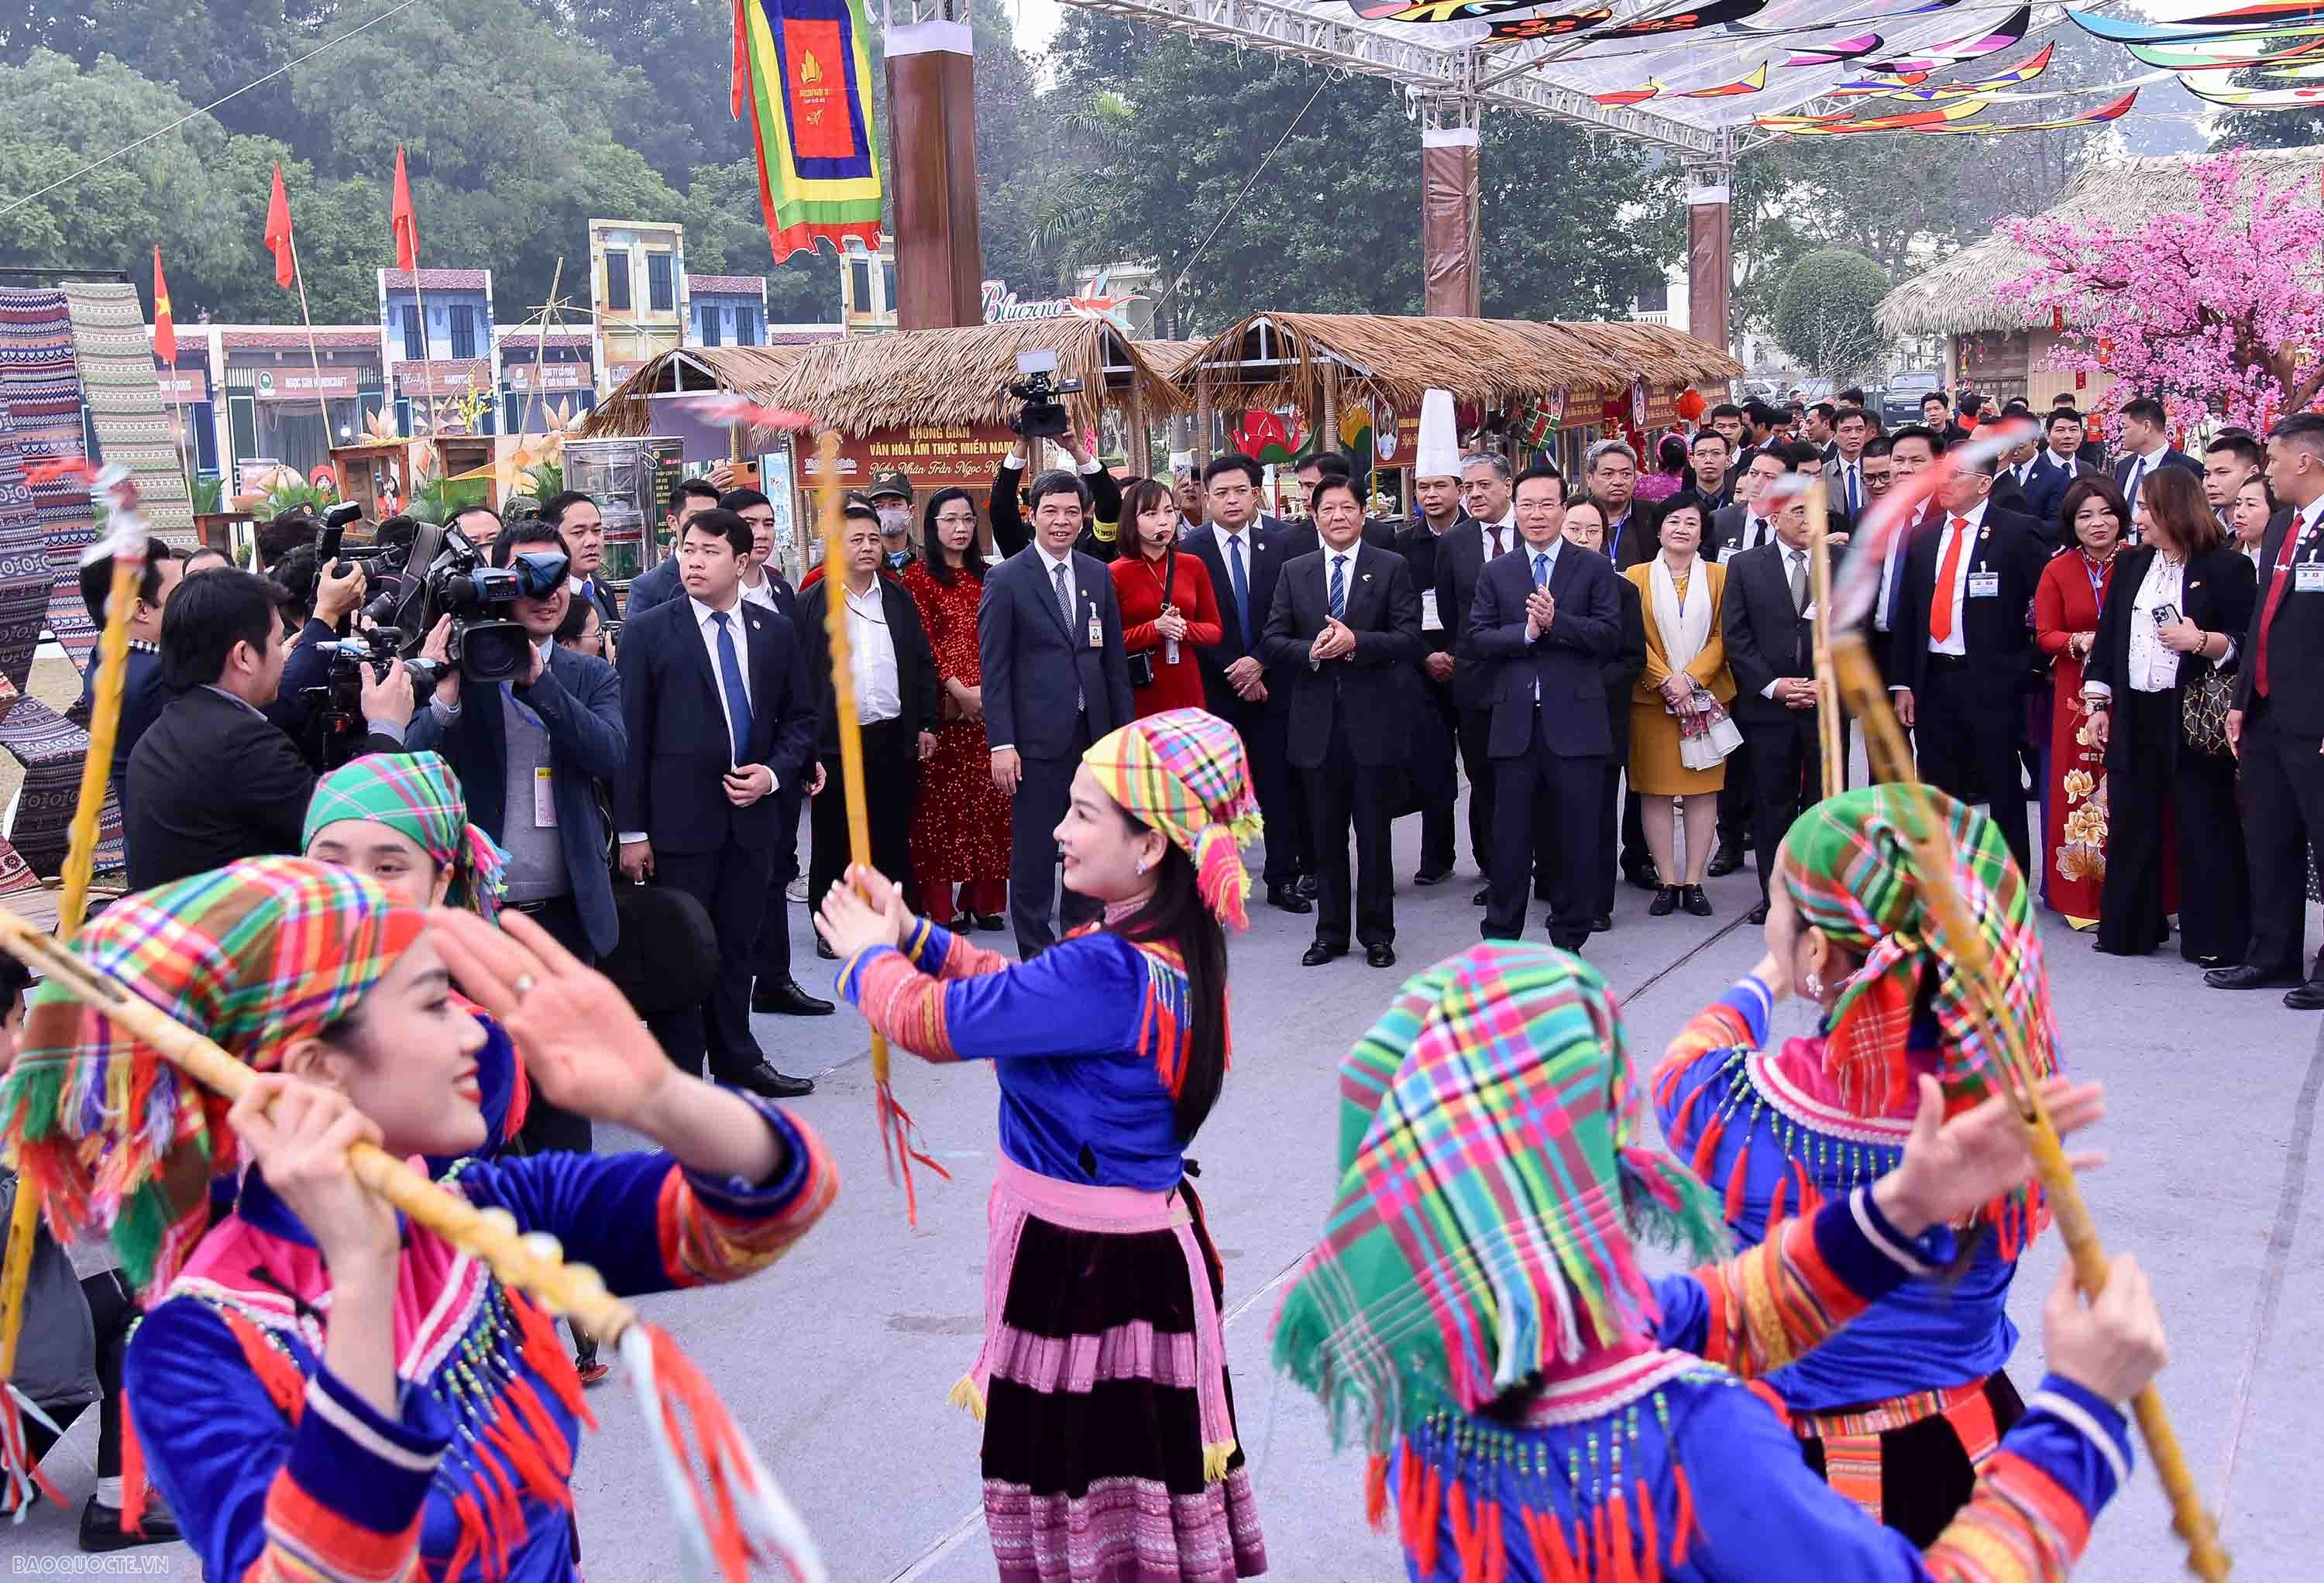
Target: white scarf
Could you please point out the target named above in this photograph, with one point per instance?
(1685, 628)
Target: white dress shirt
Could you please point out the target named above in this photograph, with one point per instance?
(872, 650)
(1506, 527)
(1547, 571)
(764, 593)
(1246, 536)
(1793, 559)
(1957, 644)
(1049, 564)
(1836, 479)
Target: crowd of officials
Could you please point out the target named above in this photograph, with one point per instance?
(1620, 665)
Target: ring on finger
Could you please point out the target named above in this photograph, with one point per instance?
(522, 984)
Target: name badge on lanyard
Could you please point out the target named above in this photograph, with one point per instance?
(1096, 630)
(2308, 577)
(1985, 585)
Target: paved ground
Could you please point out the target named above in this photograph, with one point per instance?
(838, 1360)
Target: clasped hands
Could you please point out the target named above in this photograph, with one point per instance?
(1541, 614)
(1335, 641)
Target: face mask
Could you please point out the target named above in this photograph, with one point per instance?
(895, 519)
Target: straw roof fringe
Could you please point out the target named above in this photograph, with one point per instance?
(1490, 362)
(749, 371)
(1167, 358)
(958, 376)
(1956, 296)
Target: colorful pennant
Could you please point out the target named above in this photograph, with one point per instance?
(1726, 90)
(2268, 98)
(2123, 30)
(803, 77)
(1836, 52)
(2024, 71)
(2010, 33)
(2234, 54)
(1620, 96)
(1954, 118)
(1550, 27)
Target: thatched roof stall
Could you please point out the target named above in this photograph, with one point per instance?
(1167, 358)
(749, 371)
(1956, 297)
(959, 377)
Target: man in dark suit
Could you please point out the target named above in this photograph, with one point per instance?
(1346, 624)
(2146, 447)
(143, 694)
(1709, 478)
(1767, 622)
(582, 527)
(2053, 470)
(1009, 532)
(1548, 618)
(212, 779)
(2233, 459)
(1610, 477)
(1300, 536)
(1489, 498)
(1843, 465)
(1049, 633)
(2277, 725)
(659, 584)
(774, 991)
(1584, 531)
(894, 670)
(1963, 654)
(720, 716)
(1438, 499)
(529, 755)
(1242, 551)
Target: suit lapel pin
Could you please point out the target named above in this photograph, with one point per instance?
(1366, 578)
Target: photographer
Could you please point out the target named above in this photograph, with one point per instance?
(1104, 505)
(214, 779)
(327, 595)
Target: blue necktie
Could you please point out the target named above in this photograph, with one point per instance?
(1242, 584)
(2130, 488)
(1852, 507)
(1540, 570)
(1339, 586)
(730, 675)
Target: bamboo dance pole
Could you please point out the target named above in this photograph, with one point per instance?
(1829, 728)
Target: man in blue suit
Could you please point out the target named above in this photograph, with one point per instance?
(659, 584)
(1048, 632)
(529, 755)
(1242, 550)
(1548, 617)
(720, 719)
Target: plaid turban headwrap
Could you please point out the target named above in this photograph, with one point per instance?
(1495, 1164)
(1852, 874)
(416, 795)
(256, 956)
(1183, 772)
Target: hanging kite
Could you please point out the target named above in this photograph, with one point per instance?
(1548, 27)
(1717, 13)
(2113, 111)
(1875, 87)
(802, 69)
(1726, 90)
(2308, 19)
(1620, 96)
(2009, 35)
(2234, 54)
(1944, 118)
(2024, 71)
(1438, 10)
(1836, 52)
(2270, 98)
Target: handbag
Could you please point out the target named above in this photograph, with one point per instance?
(2203, 706)
(1708, 747)
(1141, 664)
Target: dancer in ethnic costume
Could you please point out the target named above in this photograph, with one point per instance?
(1539, 1412)
(1110, 1449)
(1901, 1412)
(322, 1391)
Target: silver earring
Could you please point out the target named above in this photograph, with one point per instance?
(1142, 865)
(1815, 986)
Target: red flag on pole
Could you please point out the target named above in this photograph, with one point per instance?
(165, 326)
(402, 221)
(278, 229)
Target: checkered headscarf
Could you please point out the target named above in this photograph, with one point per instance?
(1494, 1162)
(1850, 871)
(1183, 772)
(416, 795)
(255, 955)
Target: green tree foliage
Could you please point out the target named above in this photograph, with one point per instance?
(1824, 313)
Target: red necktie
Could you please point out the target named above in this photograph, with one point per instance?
(1941, 602)
(2292, 537)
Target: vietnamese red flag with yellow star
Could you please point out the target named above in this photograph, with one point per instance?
(165, 326)
(402, 222)
(278, 230)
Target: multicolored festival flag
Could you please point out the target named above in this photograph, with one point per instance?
(803, 70)
(165, 324)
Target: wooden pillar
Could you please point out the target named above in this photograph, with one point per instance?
(1710, 265)
(1452, 284)
(932, 154)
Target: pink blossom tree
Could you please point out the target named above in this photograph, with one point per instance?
(2214, 312)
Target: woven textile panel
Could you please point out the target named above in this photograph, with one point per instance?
(42, 385)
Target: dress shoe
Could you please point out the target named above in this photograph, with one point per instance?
(1666, 902)
(1310, 887)
(2245, 977)
(1726, 860)
(1646, 878)
(762, 1079)
(2307, 997)
(784, 998)
(1483, 892)
(1321, 953)
(1288, 899)
(1690, 898)
(823, 948)
(991, 923)
(101, 1529)
(1757, 915)
(1379, 955)
(1432, 876)
(1601, 922)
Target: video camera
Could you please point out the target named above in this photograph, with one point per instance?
(334, 724)
(1043, 416)
(446, 575)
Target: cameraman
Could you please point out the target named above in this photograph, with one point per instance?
(329, 595)
(1103, 505)
(526, 757)
(213, 779)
